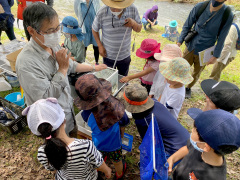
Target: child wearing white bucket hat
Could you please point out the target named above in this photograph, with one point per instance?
(176, 73)
(169, 52)
(72, 158)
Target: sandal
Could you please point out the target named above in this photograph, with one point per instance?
(116, 177)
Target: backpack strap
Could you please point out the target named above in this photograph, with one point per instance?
(224, 18)
(237, 29)
(202, 8)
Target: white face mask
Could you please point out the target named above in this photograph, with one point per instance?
(52, 40)
(116, 13)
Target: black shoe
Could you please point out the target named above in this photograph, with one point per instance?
(188, 93)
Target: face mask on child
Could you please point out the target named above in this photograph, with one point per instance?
(216, 3)
(194, 144)
(51, 40)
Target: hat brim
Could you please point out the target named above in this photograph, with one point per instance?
(161, 58)
(141, 54)
(163, 68)
(194, 112)
(72, 31)
(207, 85)
(80, 37)
(105, 119)
(118, 4)
(135, 108)
(86, 105)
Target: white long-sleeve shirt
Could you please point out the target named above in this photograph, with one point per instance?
(229, 44)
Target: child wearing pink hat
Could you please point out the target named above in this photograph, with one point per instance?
(147, 50)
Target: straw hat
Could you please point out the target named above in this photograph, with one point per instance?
(118, 4)
(169, 52)
(178, 69)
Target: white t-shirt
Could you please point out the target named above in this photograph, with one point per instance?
(173, 99)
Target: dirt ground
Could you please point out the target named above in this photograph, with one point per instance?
(18, 152)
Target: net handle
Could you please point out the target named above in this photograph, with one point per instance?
(153, 144)
(120, 48)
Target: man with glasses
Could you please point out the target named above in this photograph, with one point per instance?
(42, 66)
(117, 20)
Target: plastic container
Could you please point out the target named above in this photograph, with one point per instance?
(16, 125)
(111, 75)
(16, 99)
(13, 81)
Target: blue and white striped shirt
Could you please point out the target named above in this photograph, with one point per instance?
(113, 31)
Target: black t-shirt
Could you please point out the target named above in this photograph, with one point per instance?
(192, 167)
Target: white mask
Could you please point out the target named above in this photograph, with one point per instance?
(52, 40)
(116, 13)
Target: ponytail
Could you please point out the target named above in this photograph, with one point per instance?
(55, 148)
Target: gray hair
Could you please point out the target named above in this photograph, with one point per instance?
(36, 13)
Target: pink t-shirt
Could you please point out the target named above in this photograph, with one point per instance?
(148, 79)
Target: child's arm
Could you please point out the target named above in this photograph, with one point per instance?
(122, 130)
(180, 154)
(140, 74)
(105, 169)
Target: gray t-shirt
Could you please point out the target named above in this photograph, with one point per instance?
(193, 167)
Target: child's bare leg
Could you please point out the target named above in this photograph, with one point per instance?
(119, 167)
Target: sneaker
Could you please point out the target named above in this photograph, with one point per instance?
(188, 93)
(96, 63)
(124, 170)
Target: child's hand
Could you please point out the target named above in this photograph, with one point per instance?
(125, 79)
(170, 163)
(108, 173)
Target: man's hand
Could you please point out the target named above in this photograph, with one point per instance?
(179, 44)
(129, 22)
(212, 60)
(63, 60)
(102, 51)
(100, 67)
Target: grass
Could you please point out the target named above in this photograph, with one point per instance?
(27, 144)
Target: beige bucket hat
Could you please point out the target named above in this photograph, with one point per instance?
(118, 4)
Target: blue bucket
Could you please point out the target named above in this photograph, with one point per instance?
(13, 98)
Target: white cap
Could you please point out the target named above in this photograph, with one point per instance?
(44, 111)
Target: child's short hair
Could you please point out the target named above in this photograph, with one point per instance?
(218, 128)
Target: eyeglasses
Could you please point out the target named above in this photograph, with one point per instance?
(51, 30)
(124, 17)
